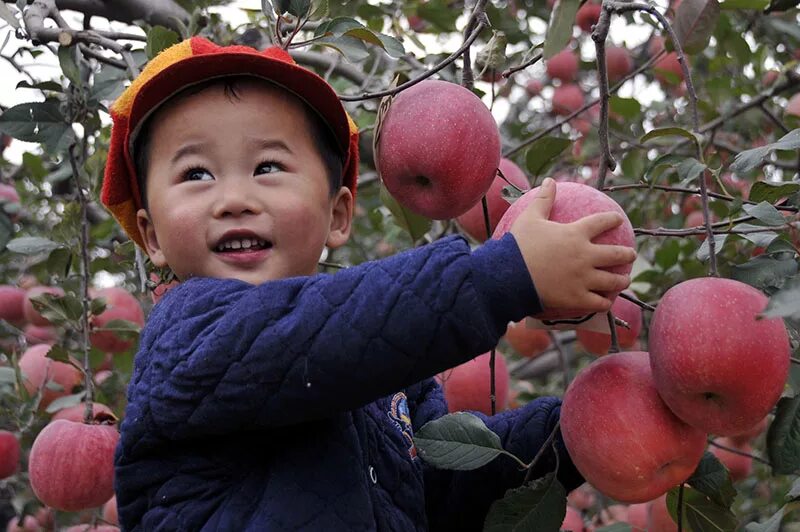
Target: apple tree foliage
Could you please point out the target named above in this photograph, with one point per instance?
(732, 134)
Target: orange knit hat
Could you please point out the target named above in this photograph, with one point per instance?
(193, 61)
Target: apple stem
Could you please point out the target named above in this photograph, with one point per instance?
(680, 508)
(545, 446)
(612, 326)
(795, 360)
(88, 414)
(739, 452)
(637, 301)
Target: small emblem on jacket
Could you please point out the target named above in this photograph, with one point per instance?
(399, 414)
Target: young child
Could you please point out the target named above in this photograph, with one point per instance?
(267, 397)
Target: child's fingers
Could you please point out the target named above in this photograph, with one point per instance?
(599, 222)
(603, 281)
(595, 303)
(609, 255)
(545, 196)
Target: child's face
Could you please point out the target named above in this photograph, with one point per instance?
(242, 171)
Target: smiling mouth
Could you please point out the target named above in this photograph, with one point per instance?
(243, 246)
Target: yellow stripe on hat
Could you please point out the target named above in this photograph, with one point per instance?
(168, 56)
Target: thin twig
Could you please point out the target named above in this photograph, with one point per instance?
(545, 446)
(701, 230)
(562, 357)
(739, 452)
(599, 35)
(680, 508)
(637, 301)
(685, 190)
(612, 326)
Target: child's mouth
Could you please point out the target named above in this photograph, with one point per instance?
(245, 245)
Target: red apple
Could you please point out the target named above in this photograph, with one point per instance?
(120, 305)
(37, 370)
(564, 66)
(101, 376)
(467, 386)
(621, 436)
(717, 366)
(573, 520)
(439, 149)
(659, 519)
(472, 221)
(637, 516)
(12, 302)
(655, 45)
(71, 465)
(110, 511)
(573, 202)
(599, 343)
(618, 63)
(40, 334)
(750, 434)
(161, 288)
(31, 314)
(793, 107)
(668, 70)
(567, 99)
(9, 454)
(75, 413)
(582, 497)
(417, 23)
(533, 87)
(739, 466)
(770, 77)
(587, 16)
(526, 341)
(696, 219)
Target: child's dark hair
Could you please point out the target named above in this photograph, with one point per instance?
(324, 141)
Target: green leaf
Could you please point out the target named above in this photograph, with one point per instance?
(765, 212)
(392, 47)
(337, 27)
(459, 441)
(160, 38)
(58, 309)
(772, 192)
(65, 402)
(542, 153)
(749, 159)
(744, 4)
(666, 256)
(40, 122)
(7, 15)
(123, 328)
(6, 230)
(32, 245)
(689, 170)
(783, 437)
(665, 161)
(539, 505)
(511, 193)
(704, 252)
(68, 59)
(670, 132)
(439, 14)
(7, 376)
(701, 513)
(784, 303)
(781, 5)
(794, 492)
(759, 239)
(694, 24)
(298, 8)
(415, 224)
(712, 479)
(97, 305)
(559, 29)
(628, 108)
(354, 50)
(764, 271)
(616, 527)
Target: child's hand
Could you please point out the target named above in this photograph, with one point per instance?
(562, 260)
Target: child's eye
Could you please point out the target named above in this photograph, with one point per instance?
(267, 167)
(197, 174)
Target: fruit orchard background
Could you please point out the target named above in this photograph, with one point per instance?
(739, 141)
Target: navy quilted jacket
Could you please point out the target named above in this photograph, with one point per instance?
(291, 405)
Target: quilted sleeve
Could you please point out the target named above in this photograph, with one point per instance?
(460, 500)
(222, 355)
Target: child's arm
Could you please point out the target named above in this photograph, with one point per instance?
(221, 355)
(460, 500)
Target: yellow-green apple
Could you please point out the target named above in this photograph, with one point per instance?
(587, 16)
(467, 386)
(567, 99)
(120, 305)
(574, 201)
(76, 412)
(438, 149)
(31, 314)
(793, 106)
(563, 66)
(598, 343)
(526, 341)
(572, 520)
(716, 364)
(472, 221)
(12, 302)
(71, 465)
(37, 370)
(618, 63)
(739, 466)
(621, 436)
(9, 454)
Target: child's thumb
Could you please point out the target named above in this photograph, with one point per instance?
(545, 197)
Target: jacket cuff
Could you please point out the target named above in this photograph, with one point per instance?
(502, 277)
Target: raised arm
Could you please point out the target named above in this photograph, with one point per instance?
(222, 355)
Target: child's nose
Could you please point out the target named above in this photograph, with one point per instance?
(235, 199)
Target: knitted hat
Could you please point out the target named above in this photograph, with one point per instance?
(194, 61)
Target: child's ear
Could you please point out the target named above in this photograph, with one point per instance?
(148, 232)
(341, 219)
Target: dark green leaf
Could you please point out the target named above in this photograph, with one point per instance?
(416, 225)
(743, 4)
(7, 15)
(759, 239)
(59, 354)
(68, 59)
(781, 5)
(539, 505)
(57, 309)
(337, 27)
(616, 527)
(439, 14)
(6, 230)
(765, 212)
(794, 492)
(628, 108)
(559, 29)
(59, 262)
(354, 50)
(670, 132)
(459, 441)
(701, 513)
(40, 122)
(764, 271)
(704, 252)
(97, 306)
(783, 437)
(123, 328)
(392, 46)
(665, 161)
(633, 165)
(50, 86)
(694, 24)
(749, 159)
(786, 302)
(772, 192)
(298, 8)
(160, 38)
(542, 153)
(667, 255)
(689, 170)
(32, 245)
(65, 402)
(712, 479)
